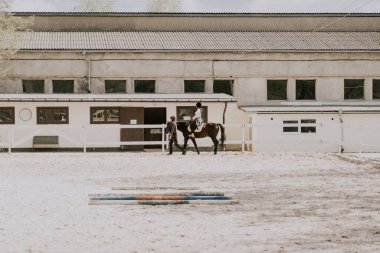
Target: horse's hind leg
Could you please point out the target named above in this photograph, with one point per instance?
(216, 144)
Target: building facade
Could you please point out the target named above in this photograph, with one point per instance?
(305, 82)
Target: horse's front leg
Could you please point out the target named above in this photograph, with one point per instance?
(185, 142)
(195, 144)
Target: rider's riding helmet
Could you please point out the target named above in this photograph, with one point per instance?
(172, 118)
(199, 105)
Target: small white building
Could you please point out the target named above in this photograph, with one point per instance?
(299, 82)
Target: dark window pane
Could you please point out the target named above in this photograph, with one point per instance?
(112, 115)
(98, 115)
(376, 89)
(33, 86)
(52, 115)
(308, 129)
(353, 88)
(63, 86)
(276, 89)
(308, 121)
(290, 121)
(194, 86)
(7, 115)
(223, 86)
(290, 129)
(305, 89)
(115, 86)
(105, 115)
(145, 86)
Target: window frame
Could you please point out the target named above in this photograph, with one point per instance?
(12, 111)
(190, 83)
(115, 81)
(192, 109)
(105, 108)
(286, 89)
(314, 91)
(362, 90)
(52, 108)
(33, 80)
(299, 124)
(231, 83)
(377, 81)
(72, 82)
(144, 80)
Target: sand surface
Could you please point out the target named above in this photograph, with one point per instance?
(288, 203)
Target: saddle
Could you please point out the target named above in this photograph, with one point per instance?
(198, 129)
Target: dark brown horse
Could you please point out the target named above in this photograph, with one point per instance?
(208, 130)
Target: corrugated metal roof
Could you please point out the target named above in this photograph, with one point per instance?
(201, 41)
(183, 97)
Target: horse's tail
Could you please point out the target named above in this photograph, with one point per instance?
(222, 134)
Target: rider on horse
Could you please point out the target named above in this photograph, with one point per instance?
(197, 119)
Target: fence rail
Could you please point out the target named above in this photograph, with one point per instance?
(85, 142)
(82, 136)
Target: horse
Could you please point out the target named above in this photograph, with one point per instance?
(208, 130)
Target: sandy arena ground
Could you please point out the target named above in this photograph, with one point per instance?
(288, 203)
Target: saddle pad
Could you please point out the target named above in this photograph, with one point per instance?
(198, 129)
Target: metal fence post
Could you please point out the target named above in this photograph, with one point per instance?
(84, 135)
(10, 137)
(243, 138)
(163, 137)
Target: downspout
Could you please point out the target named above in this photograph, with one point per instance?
(224, 113)
(89, 72)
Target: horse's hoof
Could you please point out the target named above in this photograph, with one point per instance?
(184, 152)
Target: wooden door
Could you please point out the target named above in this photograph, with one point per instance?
(132, 116)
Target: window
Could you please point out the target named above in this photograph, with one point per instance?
(223, 86)
(308, 126)
(184, 113)
(376, 89)
(194, 86)
(299, 126)
(276, 89)
(305, 89)
(353, 88)
(105, 115)
(33, 86)
(52, 115)
(290, 126)
(115, 86)
(7, 115)
(63, 86)
(145, 86)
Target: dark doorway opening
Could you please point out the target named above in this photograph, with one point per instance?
(153, 116)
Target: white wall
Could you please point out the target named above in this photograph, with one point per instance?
(357, 133)
(268, 133)
(71, 134)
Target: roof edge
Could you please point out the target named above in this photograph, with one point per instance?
(213, 14)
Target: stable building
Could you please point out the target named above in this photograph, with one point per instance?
(298, 82)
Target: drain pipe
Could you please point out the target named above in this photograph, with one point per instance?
(89, 72)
